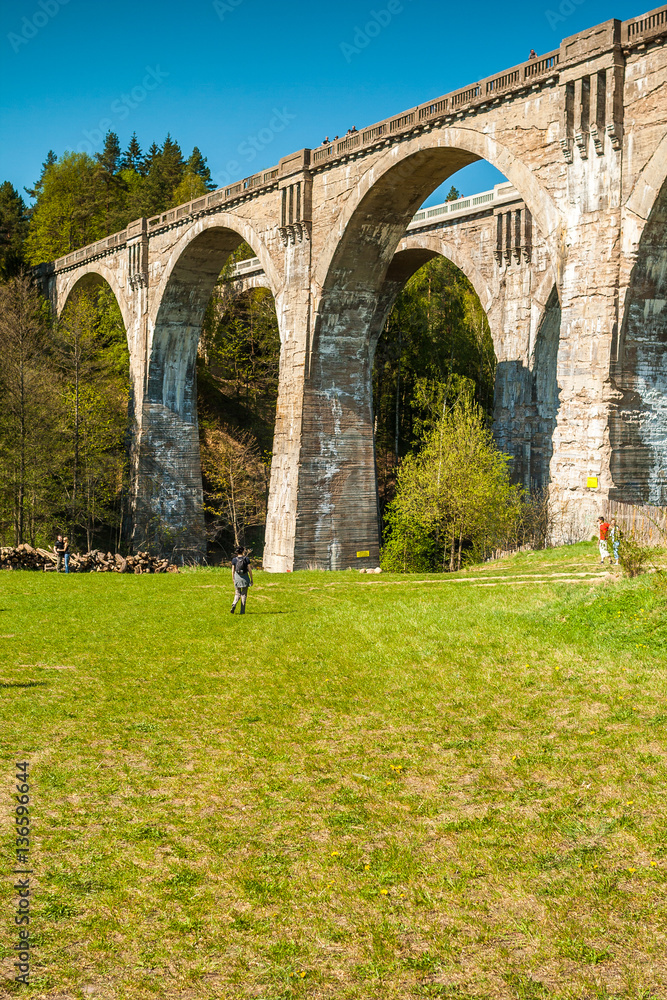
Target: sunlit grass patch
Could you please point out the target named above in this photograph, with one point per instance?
(392, 788)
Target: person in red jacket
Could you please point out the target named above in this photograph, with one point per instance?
(604, 531)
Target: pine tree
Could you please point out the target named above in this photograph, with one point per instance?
(150, 159)
(131, 159)
(454, 194)
(197, 165)
(13, 230)
(166, 169)
(50, 161)
(172, 164)
(109, 158)
(114, 185)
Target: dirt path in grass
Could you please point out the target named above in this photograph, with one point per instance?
(507, 580)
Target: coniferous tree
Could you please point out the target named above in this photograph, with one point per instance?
(150, 159)
(197, 165)
(114, 185)
(172, 165)
(28, 445)
(132, 157)
(109, 158)
(13, 230)
(454, 194)
(50, 160)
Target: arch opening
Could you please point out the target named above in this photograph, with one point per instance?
(365, 272)
(432, 342)
(96, 414)
(203, 352)
(638, 422)
(237, 390)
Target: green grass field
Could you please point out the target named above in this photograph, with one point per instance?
(369, 787)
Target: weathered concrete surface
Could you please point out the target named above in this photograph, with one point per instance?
(581, 133)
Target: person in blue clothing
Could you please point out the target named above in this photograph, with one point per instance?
(241, 578)
(614, 536)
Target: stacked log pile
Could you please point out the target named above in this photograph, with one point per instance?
(26, 557)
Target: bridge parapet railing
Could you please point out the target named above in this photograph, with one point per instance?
(470, 205)
(501, 194)
(518, 77)
(644, 29)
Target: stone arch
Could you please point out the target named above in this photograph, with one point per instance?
(526, 392)
(638, 420)
(649, 183)
(169, 505)
(180, 301)
(406, 174)
(237, 287)
(206, 245)
(440, 247)
(95, 272)
(412, 253)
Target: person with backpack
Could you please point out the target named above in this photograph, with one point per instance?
(603, 526)
(241, 577)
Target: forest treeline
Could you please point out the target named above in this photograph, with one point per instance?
(64, 433)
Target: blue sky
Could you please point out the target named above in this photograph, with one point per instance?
(249, 81)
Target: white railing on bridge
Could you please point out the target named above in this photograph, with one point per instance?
(501, 194)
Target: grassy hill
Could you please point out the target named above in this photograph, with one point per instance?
(369, 787)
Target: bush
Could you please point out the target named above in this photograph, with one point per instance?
(453, 496)
(632, 555)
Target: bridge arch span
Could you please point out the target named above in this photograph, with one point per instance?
(198, 257)
(438, 246)
(168, 463)
(391, 190)
(95, 273)
(648, 185)
(638, 420)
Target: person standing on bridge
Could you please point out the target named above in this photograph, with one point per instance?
(241, 578)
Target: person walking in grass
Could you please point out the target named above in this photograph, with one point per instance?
(614, 537)
(59, 549)
(603, 528)
(241, 578)
(66, 553)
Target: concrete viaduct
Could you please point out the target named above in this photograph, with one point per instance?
(570, 263)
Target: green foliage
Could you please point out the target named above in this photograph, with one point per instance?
(69, 212)
(91, 356)
(436, 340)
(80, 199)
(13, 230)
(28, 440)
(63, 423)
(632, 555)
(454, 493)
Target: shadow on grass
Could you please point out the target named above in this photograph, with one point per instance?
(23, 684)
(265, 613)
